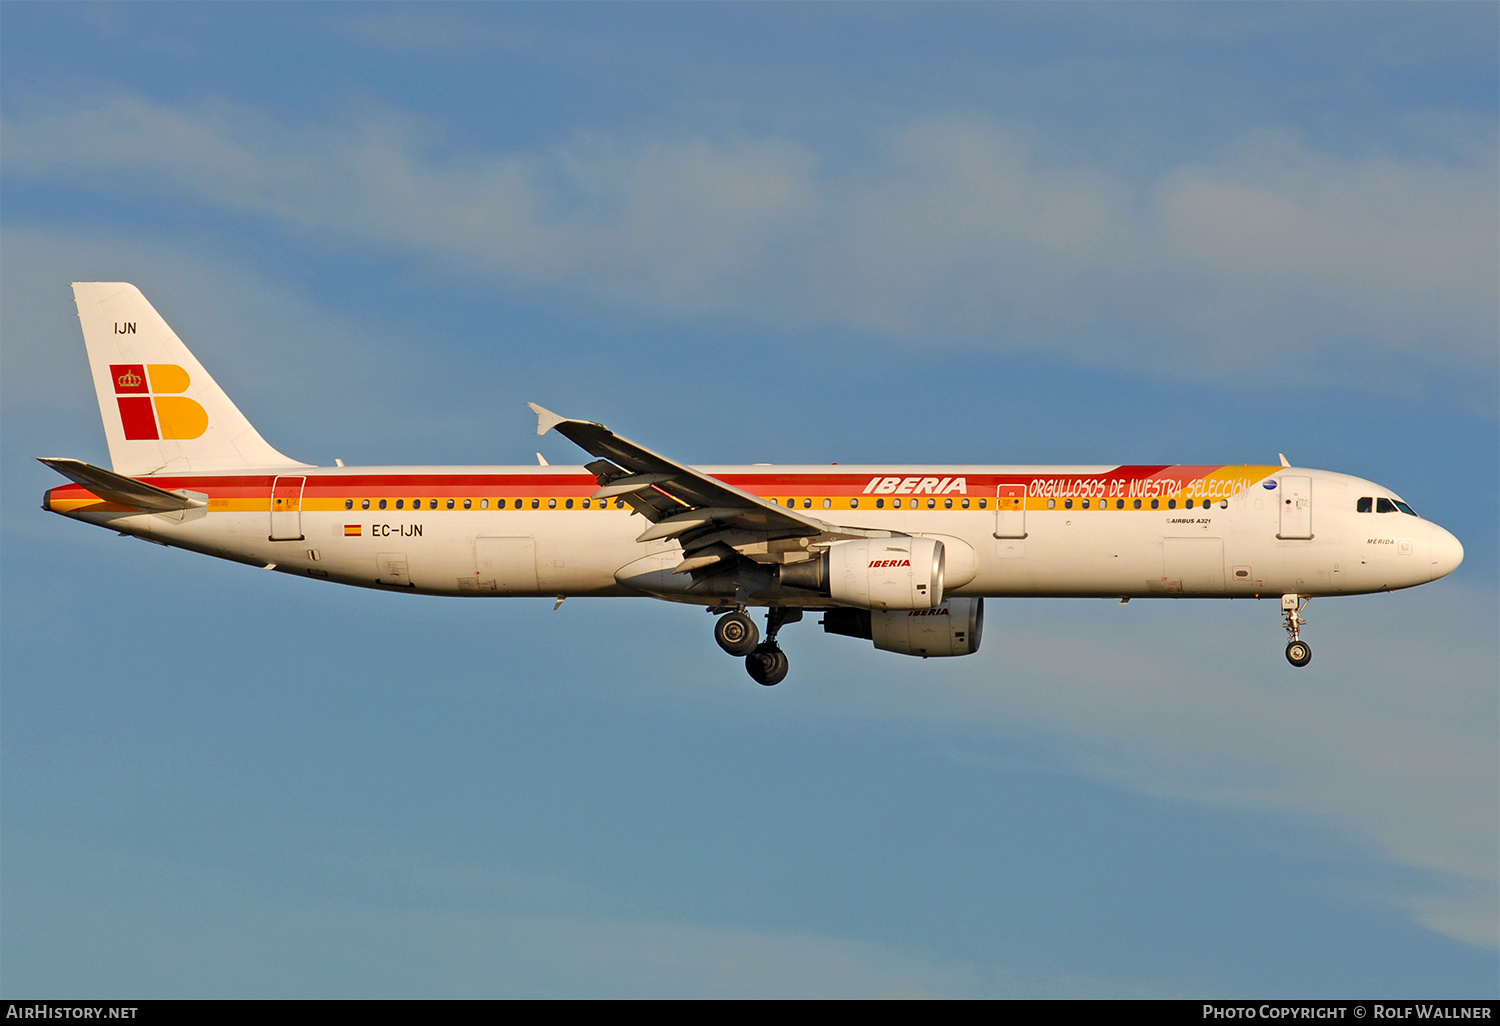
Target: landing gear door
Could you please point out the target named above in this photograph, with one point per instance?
(1295, 499)
(1010, 511)
(286, 508)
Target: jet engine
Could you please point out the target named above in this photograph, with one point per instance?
(951, 629)
(878, 573)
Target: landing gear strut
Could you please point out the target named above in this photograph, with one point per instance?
(1298, 652)
(764, 660)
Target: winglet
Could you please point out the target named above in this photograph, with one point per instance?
(1284, 463)
(546, 420)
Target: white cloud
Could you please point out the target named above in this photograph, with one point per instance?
(1251, 262)
(1389, 738)
(1281, 231)
(131, 924)
(247, 329)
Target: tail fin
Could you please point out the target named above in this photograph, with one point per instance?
(162, 411)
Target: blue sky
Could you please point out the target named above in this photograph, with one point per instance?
(739, 233)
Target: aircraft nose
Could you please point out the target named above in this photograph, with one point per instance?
(1447, 553)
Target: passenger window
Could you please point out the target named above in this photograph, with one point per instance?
(1084, 504)
(932, 504)
(619, 503)
(1171, 504)
(1051, 503)
(1384, 505)
(382, 504)
(854, 504)
(1364, 504)
(984, 503)
(1120, 503)
(880, 504)
(450, 503)
(1223, 503)
(966, 504)
(1137, 503)
(896, 503)
(807, 504)
(1155, 503)
(586, 503)
(499, 503)
(364, 503)
(536, 503)
(551, 503)
(569, 504)
(348, 503)
(791, 504)
(484, 503)
(400, 503)
(828, 504)
(1067, 504)
(468, 504)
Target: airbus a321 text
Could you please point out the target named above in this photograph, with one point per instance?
(903, 556)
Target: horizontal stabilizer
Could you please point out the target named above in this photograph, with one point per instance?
(127, 491)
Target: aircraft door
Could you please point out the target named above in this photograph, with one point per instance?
(286, 508)
(1010, 511)
(1295, 494)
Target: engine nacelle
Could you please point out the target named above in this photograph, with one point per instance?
(886, 573)
(951, 629)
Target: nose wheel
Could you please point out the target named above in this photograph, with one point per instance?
(1298, 652)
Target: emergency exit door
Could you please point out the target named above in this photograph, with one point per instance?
(1010, 511)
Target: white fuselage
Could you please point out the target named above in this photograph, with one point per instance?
(1233, 542)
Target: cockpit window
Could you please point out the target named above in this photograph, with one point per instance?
(1403, 507)
(1384, 505)
(1366, 504)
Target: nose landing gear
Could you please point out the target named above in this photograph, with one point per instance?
(764, 660)
(1298, 652)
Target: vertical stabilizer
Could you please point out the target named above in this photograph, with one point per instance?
(163, 413)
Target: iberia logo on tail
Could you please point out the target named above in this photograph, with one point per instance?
(150, 407)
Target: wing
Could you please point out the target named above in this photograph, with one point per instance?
(716, 523)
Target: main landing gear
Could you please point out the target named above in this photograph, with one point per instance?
(1298, 652)
(764, 660)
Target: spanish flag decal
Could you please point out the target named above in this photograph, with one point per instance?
(351, 531)
(150, 407)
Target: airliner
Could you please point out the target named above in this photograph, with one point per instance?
(902, 556)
